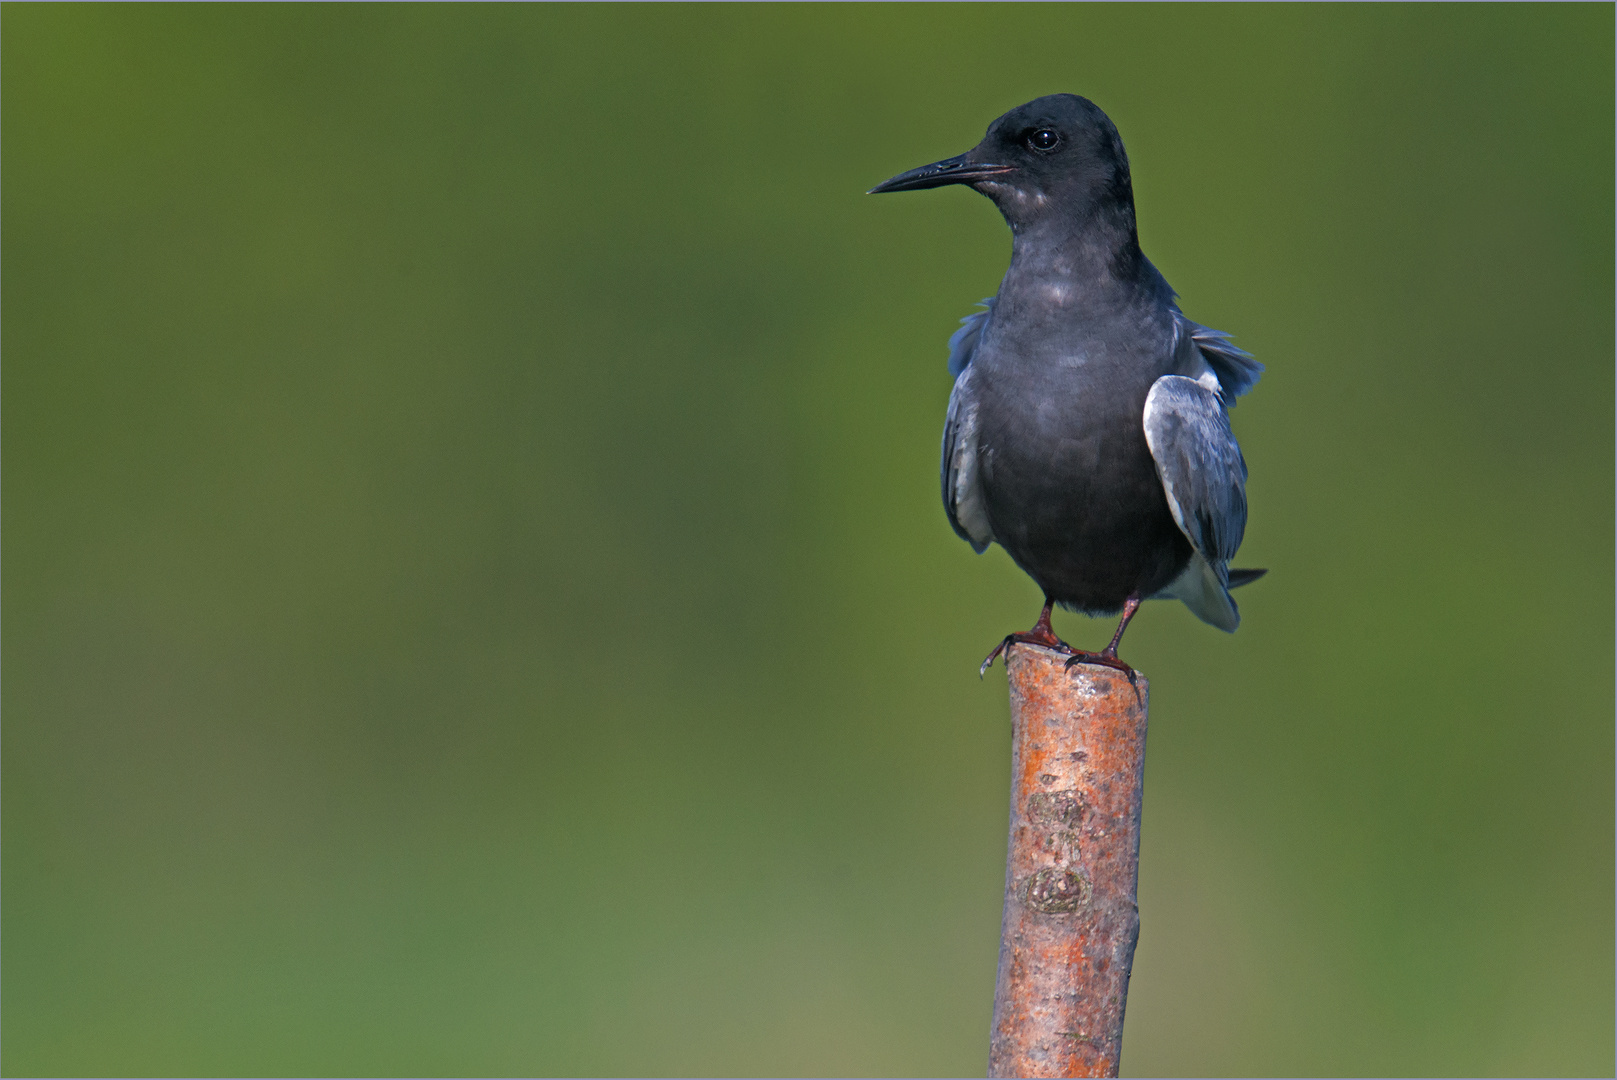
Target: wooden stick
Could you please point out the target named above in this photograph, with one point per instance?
(1067, 941)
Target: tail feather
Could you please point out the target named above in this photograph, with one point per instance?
(1205, 592)
(1202, 589)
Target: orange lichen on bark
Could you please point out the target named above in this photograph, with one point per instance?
(1071, 921)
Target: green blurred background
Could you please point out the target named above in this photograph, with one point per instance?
(476, 599)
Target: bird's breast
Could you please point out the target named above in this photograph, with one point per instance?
(1068, 481)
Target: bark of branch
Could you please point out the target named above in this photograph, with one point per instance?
(1071, 921)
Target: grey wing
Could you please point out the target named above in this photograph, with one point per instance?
(962, 480)
(1204, 477)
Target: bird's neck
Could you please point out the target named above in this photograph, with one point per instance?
(1094, 256)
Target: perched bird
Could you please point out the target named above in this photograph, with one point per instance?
(1087, 432)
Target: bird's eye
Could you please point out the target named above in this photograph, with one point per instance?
(1044, 139)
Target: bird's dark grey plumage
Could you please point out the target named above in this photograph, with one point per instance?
(1087, 432)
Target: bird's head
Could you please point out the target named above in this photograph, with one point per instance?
(1057, 158)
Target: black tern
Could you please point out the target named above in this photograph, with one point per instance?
(1088, 432)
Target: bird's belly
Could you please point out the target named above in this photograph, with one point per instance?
(1084, 515)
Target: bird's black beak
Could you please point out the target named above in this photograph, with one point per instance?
(955, 170)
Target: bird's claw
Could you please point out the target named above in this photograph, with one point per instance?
(1105, 659)
(1010, 639)
(1033, 637)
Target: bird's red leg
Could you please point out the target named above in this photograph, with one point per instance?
(1108, 656)
(1041, 634)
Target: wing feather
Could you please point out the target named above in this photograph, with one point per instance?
(962, 482)
(1204, 477)
(963, 342)
(1202, 470)
(1237, 372)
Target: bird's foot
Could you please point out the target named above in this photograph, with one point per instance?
(1039, 635)
(1105, 658)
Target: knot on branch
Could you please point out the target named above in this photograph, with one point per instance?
(1057, 890)
(1056, 807)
